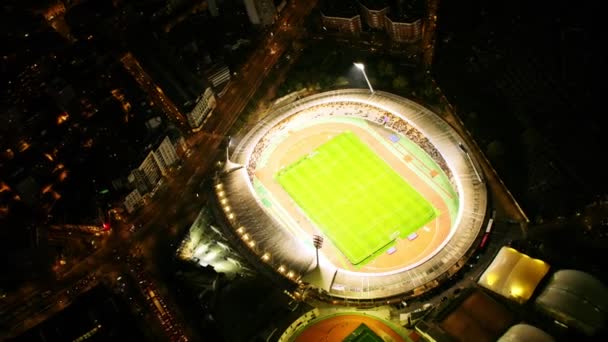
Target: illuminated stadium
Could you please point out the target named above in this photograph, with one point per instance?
(386, 184)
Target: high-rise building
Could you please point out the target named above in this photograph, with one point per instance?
(151, 169)
(146, 177)
(166, 155)
(202, 110)
(133, 201)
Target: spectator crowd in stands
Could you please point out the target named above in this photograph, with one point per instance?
(348, 109)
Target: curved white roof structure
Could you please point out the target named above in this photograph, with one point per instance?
(275, 246)
(577, 299)
(525, 333)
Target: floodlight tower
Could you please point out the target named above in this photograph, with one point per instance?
(317, 241)
(361, 67)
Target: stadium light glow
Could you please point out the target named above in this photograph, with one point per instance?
(361, 67)
(297, 255)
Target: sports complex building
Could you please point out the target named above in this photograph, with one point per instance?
(387, 184)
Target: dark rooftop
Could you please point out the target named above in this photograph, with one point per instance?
(340, 9)
(375, 5)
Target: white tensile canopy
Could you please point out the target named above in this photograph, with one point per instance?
(513, 275)
(525, 333)
(577, 299)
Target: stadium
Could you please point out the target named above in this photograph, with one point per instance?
(384, 187)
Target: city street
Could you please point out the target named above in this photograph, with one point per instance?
(174, 207)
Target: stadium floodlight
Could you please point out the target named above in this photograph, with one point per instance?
(317, 241)
(361, 67)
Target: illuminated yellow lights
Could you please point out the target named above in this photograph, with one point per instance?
(63, 176)
(4, 187)
(290, 274)
(517, 291)
(491, 279)
(221, 194)
(241, 230)
(63, 117)
(47, 188)
(282, 269)
(266, 256)
(9, 154)
(227, 208)
(231, 216)
(224, 201)
(23, 145)
(246, 237)
(218, 186)
(251, 243)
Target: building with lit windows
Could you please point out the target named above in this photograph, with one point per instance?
(374, 13)
(147, 175)
(150, 168)
(165, 155)
(403, 29)
(138, 181)
(401, 22)
(341, 18)
(203, 109)
(133, 201)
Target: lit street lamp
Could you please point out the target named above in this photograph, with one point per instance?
(361, 67)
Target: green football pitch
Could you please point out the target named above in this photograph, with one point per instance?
(357, 200)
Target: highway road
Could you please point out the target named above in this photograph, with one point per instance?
(174, 206)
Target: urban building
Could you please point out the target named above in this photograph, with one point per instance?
(403, 31)
(133, 201)
(218, 75)
(137, 180)
(343, 18)
(151, 169)
(155, 165)
(402, 23)
(374, 13)
(203, 109)
(261, 12)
